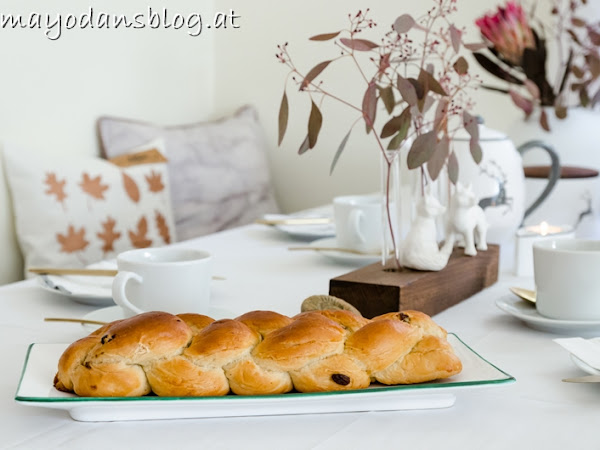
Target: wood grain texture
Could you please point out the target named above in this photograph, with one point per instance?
(374, 290)
(565, 172)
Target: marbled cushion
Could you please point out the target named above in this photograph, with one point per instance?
(218, 170)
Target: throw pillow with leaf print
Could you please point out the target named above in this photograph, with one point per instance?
(76, 211)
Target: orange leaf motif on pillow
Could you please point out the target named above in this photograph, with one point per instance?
(155, 183)
(163, 228)
(73, 241)
(108, 235)
(55, 187)
(138, 239)
(131, 188)
(93, 186)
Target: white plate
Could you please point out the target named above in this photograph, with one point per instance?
(36, 389)
(113, 313)
(89, 290)
(343, 257)
(528, 314)
(305, 231)
(582, 365)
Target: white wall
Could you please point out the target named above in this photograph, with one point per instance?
(52, 92)
(247, 72)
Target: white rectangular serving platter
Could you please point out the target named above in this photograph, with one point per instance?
(36, 389)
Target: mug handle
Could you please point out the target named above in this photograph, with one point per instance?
(553, 176)
(118, 290)
(354, 219)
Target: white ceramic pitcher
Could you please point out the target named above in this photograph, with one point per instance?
(499, 181)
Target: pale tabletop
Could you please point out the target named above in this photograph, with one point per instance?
(537, 411)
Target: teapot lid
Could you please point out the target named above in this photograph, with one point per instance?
(485, 133)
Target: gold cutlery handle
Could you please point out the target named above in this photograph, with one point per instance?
(295, 221)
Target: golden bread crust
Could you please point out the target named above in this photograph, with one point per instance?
(260, 352)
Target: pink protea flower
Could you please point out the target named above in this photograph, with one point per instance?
(508, 30)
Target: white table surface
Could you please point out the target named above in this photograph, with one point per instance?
(537, 411)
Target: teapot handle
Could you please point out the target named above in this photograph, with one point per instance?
(553, 176)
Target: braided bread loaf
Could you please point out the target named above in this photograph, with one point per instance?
(260, 352)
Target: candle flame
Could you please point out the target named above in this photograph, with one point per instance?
(544, 228)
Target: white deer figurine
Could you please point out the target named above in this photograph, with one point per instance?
(467, 220)
(420, 249)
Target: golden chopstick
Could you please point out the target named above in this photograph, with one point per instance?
(334, 249)
(64, 319)
(86, 272)
(65, 271)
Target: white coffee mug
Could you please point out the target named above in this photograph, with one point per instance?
(359, 222)
(567, 279)
(175, 280)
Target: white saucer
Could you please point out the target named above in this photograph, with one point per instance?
(584, 366)
(113, 313)
(528, 314)
(343, 257)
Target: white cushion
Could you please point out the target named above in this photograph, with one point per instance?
(219, 172)
(73, 211)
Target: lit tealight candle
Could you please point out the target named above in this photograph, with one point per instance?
(526, 236)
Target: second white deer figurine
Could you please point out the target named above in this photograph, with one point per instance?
(466, 219)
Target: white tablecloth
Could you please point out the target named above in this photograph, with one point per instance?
(538, 411)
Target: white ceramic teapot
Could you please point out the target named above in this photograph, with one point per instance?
(499, 181)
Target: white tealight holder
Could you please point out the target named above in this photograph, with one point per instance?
(526, 236)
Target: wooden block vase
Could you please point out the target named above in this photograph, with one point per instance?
(376, 290)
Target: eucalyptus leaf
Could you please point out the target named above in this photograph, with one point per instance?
(325, 36)
(369, 105)
(593, 62)
(440, 119)
(388, 98)
(438, 159)
(419, 88)
(544, 120)
(339, 151)
(471, 125)
(523, 103)
(396, 142)
(361, 45)
(421, 150)
(455, 38)
(461, 66)
(314, 125)
(283, 117)
(453, 168)
(313, 73)
(304, 147)
(397, 124)
(594, 36)
(475, 47)
(476, 151)
(404, 23)
(432, 83)
(560, 111)
(407, 90)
